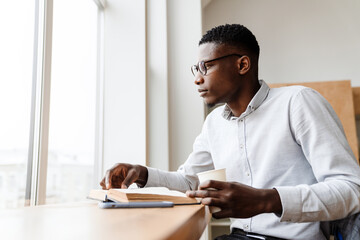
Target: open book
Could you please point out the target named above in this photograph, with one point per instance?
(150, 194)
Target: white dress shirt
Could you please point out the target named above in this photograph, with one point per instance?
(288, 138)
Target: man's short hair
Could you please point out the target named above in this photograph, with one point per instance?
(235, 35)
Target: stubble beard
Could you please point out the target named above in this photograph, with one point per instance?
(210, 105)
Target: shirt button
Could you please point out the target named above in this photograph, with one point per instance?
(241, 146)
(241, 120)
(246, 227)
(247, 174)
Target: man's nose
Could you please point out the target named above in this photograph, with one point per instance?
(199, 79)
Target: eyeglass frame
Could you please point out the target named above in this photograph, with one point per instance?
(197, 68)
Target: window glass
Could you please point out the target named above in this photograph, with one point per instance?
(73, 101)
(16, 61)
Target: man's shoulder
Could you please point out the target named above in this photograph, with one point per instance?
(287, 91)
(293, 89)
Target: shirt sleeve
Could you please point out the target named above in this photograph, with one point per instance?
(185, 177)
(319, 132)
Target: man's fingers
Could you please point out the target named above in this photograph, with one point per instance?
(212, 202)
(190, 194)
(222, 214)
(107, 180)
(119, 176)
(213, 184)
(129, 179)
(202, 193)
(102, 184)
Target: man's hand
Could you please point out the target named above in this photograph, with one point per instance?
(122, 175)
(237, 200)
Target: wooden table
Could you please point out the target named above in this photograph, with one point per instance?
(87, 221)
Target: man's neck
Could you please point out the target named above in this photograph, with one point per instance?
(239, 106)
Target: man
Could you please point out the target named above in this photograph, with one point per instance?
(287, 160)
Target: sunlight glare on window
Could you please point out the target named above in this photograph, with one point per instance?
(16, 60)
(73, 101)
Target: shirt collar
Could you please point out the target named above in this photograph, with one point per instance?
(255, 102)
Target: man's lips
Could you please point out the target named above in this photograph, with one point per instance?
(202, 92)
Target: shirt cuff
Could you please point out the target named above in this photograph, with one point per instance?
(291, 203)
(153, 177)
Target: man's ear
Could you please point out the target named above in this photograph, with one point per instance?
(244, 65)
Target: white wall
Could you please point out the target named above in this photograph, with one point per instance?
(157, 85)
(186, 110)
(124, 82)
(300, 40)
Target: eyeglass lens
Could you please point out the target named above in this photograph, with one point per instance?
(200, 67)
(194, 69)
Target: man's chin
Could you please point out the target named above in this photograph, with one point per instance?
(211, 104)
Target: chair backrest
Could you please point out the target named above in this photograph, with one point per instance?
(356, 97)
(340, 95)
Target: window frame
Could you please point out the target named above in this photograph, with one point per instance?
(35, 193)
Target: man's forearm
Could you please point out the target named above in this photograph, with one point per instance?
(172, 180)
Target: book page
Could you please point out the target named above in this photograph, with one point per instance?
(152, 190)
(97, 194)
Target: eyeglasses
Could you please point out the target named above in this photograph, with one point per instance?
(201, 67)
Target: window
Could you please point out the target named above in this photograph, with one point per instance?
(50, 134)
(72, 122)
(16, 61)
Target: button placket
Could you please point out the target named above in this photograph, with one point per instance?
(246, 227)
(245, 171)
(241, 136)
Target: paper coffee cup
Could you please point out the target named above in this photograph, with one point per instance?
(218, 175)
